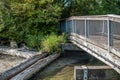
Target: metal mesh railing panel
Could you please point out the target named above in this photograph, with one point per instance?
(115, 27)
(103, 31)
(80, 27)
(97, 32)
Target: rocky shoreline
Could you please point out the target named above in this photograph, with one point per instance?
(21, 52)
(7, 62)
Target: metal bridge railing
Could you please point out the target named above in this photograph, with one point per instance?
(102, 30)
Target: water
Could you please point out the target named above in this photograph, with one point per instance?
(63, 68)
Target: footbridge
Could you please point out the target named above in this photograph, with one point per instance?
(98, 35)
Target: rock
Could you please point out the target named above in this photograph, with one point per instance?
(13, 44)
(24, 46)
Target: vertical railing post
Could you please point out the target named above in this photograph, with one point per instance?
(86, 29)
(103, 29)
(72, 28)
(75, 32)
(66, 26)
(110, 41)
(75, 26)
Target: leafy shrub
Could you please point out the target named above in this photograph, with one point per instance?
(34, 41)
(22, 20)
(51, 43)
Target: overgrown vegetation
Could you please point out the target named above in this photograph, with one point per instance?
(51, 43)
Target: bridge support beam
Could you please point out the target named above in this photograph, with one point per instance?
(70, 47)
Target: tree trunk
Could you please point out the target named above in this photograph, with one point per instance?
(17, 52)
(17, 69)
(26, 74)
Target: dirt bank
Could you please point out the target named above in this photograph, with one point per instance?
(7, 62)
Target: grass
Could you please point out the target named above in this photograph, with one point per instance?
(51, 43)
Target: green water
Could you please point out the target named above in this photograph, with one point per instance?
(63, 68)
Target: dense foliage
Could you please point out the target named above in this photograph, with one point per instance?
(91, 7)
(28, 21)
(25, 19)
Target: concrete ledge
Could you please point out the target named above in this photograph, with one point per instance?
(70, 47)
(92, 72)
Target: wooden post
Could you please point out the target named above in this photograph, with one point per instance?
(74, 73)
(85, 72)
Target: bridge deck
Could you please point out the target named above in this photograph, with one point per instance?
(99, 40)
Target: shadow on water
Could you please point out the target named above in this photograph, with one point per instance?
(63, 67)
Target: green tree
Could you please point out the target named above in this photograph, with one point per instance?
(91, 7)
(4, 18)
(29, 17)
(110, 6)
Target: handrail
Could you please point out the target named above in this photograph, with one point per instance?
(112, 17)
